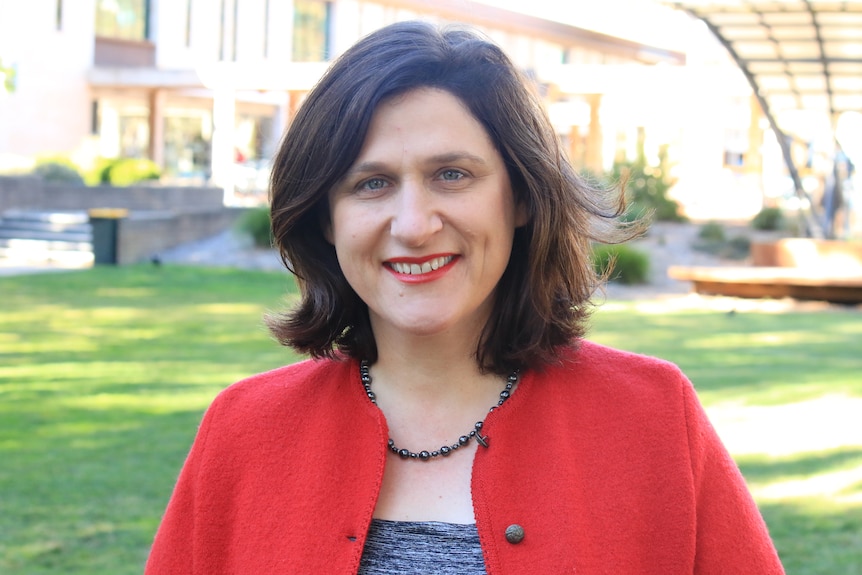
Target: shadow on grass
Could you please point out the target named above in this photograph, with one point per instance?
(764, 469)
(816, 537)
(104, 376)
(766, 358)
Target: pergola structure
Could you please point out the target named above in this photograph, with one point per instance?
(801, 58)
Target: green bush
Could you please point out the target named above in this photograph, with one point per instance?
(621, 263)
(712, 239)
(58, 171)
(647, 188)
(738, 248)
(768, 219)
(712, 231)
(98, 172)
(256, 223)
(128, 171)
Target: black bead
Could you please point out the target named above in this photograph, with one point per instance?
(505, 394)
(424, 455)
(463, 440)
(435, 453)
(414, 455)
(444, 451)
(478, 425)
(403, 453)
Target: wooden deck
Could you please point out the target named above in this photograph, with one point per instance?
(774, 282)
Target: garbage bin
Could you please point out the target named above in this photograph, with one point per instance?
(105, 224)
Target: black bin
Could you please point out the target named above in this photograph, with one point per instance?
(105, 224)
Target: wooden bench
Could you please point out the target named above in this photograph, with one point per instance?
(794, 267)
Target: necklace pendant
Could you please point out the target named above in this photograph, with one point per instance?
(483, 441)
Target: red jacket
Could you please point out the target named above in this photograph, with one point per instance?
(607, 461)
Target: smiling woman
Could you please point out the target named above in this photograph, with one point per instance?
(442, 244)
(425, 246)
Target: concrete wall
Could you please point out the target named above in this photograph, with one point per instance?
(143, 235)
(32, 193)
(158, 217)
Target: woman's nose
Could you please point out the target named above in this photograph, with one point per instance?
(416, 218)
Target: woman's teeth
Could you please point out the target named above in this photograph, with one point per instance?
(416, 269)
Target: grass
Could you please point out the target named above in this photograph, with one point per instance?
(103, 378)
(104, 375)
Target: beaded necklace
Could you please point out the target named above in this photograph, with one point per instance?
(476, 432)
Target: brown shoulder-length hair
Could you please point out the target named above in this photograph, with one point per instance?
(543, 298)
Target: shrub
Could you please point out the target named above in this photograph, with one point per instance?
(712, 239)
(621, 263)
(738, 247)
(98, 172)
(712, 231)
(256, 223)
(128, 171)
(59, 171)
(768, 219)
(647, 187)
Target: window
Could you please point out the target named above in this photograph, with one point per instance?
(188, 23)
(124, 19)
(266, 29)
(311, 30)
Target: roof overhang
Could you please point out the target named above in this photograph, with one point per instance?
(797, 54)
(481, 14)
(292, 76)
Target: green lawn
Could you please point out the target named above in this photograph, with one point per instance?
(104, 375)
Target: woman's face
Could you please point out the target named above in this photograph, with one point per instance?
(423, 221)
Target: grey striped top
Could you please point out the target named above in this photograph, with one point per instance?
(426, 548)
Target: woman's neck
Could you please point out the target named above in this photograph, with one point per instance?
(433, 362)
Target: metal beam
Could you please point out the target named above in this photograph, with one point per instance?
(779, 133)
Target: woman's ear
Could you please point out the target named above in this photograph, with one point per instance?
(325, 221)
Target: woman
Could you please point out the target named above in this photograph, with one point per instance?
(442, 246)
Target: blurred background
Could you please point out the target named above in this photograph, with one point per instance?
(198, 92)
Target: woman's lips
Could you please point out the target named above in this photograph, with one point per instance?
(415, 268)
(420, 269)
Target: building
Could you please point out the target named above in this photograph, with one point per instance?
(205, 88)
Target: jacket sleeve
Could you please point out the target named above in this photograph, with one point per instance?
(732, 537)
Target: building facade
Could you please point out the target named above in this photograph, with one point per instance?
(205, 88)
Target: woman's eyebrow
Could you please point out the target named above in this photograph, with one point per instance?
(449, 157)
(373, 166)
(365, 168)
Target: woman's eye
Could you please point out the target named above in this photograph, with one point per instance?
(373, 184)
(451, 175)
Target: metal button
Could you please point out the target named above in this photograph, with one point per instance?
(514, 533)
